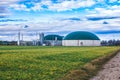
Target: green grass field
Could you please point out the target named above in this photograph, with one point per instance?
(45, 63)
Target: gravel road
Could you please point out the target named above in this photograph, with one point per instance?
(110, 71)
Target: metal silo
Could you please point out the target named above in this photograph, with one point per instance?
(41, 36)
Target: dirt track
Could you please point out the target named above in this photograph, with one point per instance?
(111, 70)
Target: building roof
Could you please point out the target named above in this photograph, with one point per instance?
(53, 37)
(81, 35)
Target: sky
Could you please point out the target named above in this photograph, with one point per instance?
(32, 17)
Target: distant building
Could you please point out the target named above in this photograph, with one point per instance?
(53, 40)
(81, 38)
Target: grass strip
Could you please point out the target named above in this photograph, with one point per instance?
(90, 69)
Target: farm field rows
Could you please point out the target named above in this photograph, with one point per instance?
(45, 63)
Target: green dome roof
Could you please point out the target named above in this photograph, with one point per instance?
(52, 37)
(81, 35)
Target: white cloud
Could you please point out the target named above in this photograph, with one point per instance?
(7, 2)
(37, 7)
(61, 6)
(4, 14)
(4, 5)
(61, 26)
(69, 5)
(109, 11)
(19, 7)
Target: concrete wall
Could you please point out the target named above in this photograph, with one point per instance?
(81, 42)
(53, 43)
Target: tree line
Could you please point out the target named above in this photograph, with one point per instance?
(8, 42)
(110, 43)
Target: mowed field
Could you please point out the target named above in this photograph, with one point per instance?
(45, 63)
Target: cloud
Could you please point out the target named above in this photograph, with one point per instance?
(72, 19)
(53, 5)
(108, 11)
(62, 27)
(56, 5)
(7, 2)
(3, 11)
(19, 7)
(3, 15)
(4, 5)
(105, 22)
(12, 20)
(69, 5)
(3, 24)
(65, 24)
(37, 7)
(102, 18)
(60, 5)
(107, 31)
(108, 17)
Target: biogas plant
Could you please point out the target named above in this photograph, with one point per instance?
(77, 38)
(81, 38)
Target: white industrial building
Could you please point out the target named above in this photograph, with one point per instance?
(81, 38)
(53, 40)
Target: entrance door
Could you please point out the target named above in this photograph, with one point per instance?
(80, 43)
